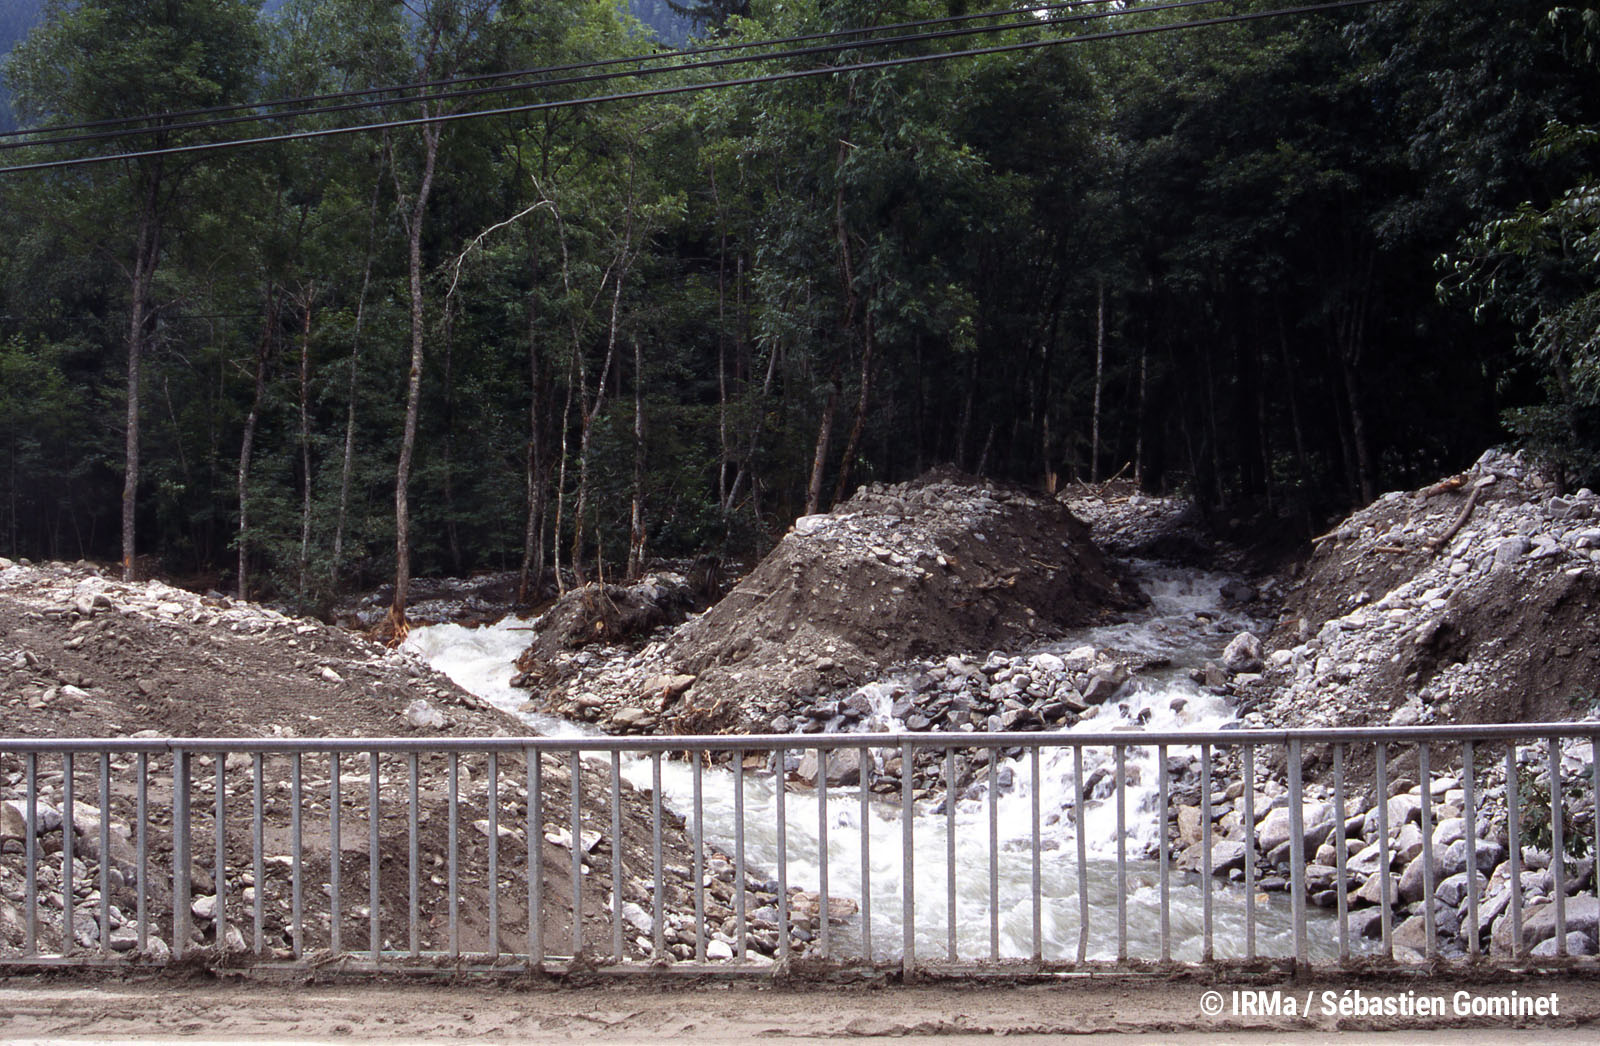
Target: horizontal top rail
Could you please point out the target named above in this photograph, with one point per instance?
(771, 742)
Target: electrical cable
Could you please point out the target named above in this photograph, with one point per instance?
(599, 77)
(571, 67)
(797, 74)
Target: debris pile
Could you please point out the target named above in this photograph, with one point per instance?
(1475, 600)
(944, 563)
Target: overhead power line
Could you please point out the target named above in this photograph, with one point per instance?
(1032, 22)
(677, 89)
(657, 56)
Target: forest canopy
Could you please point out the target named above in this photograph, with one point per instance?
(1281, 264)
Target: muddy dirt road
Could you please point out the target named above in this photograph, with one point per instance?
(167, 1010)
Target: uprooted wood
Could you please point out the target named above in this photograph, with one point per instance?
(1437, 544)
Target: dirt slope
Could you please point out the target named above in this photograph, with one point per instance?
(1402, 617)
(82, 655)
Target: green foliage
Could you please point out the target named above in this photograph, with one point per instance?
(922, 255)
(1534, 807)
(1539, 267)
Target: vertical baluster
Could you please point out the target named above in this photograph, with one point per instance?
(994, 855)
(698, 840)
(141, 851)
(659, 921)
(822, 851)
(1341, 853)
(219, 863)
(950, 853)
(1083, 854)
(31, 872)
(452, 847)
(780, 782)
(533, 830)
(575, 767)
(1514, 845)
(1164, 806)
(739, 925)
(1037, 870)
(181, 852)
(258, 856)
(1558, 857)
(616, 855)
(297, 871)
(1208, 940)
(335, 815)
(105, 858)
(1469, 813)
(1122, 854)
(866, 856)
(414, 857)
(1429, 916)
(1249, 826)
(374, 895)
(494, 855)
(68, 888)
(908, 886)
(1297, 854)
(1385, 860)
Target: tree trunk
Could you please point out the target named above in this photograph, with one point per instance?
(636, 522)
(305, 442)
(746, 466)
(395, 625)
(819, 459)
(590, 414)
(1099, 381)
(348, 464)
(147, 251)
(1138, 439)
(860, 423)
(247, 444)
(1358, 434)
(530, 586)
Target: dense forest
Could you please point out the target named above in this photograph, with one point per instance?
(1281, 264)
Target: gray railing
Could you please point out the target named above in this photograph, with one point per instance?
(137, 817)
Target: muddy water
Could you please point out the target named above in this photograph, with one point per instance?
(1186, 624)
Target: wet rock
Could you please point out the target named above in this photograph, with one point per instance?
(1227, 856)
(1274, 829)
(1104, 682)
(844, 767)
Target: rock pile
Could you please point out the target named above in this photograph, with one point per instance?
(1125, 521)
(896, 572)
(86, 655)
(1323, 826)
(1474, 600)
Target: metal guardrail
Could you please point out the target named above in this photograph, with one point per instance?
(160, 873)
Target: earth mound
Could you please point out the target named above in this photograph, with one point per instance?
(601, 615)
(1471, 601)
(945, 562)
(83, 654)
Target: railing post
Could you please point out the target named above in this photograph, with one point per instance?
(180, 852)
(1297, 855)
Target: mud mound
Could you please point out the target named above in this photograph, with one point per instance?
(86, 655)
(1474, 600)
(939, 564)
(608, 614)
